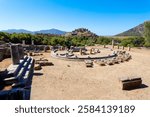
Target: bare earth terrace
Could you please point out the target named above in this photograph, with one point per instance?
(72, 80)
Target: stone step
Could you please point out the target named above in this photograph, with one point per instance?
(15, 94)
(26, 67)
(10, 81)
(18, 85)
(16, 72)
(14, 69)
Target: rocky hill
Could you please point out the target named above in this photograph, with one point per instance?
(81, 32)
(136, 31)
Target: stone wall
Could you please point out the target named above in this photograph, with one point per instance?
(1, 54)
(4, 52)
(18, 76)
(36, 47)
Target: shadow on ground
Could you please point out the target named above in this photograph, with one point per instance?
(142, 86)
(38, 74)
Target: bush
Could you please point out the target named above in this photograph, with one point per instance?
(133, 42)
(103, 40)
(147, 32)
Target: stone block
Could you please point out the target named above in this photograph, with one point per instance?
(89, 63)
(130, 83)
(37, 67)
(3, 73)
(10, 81)
(15, 54)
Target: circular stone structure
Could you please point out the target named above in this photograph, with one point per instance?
(86, 54)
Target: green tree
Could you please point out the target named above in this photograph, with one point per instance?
(4, 36)
(127, 41)
(147, 33)
(103, 40)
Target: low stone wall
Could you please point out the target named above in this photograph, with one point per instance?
(7, 52)
(4, 52)
(36, 47)
(1, 54)
(74, 58)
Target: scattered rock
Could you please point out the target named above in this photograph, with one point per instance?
(37, 67)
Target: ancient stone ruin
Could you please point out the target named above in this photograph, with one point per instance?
(130, 83)
(4, 51)
(94, 55)
(16, 80)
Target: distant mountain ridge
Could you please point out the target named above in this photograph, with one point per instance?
(49, 31)
(136, 31)
(16, 31)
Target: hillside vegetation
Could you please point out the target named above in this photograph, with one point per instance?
(78, 37)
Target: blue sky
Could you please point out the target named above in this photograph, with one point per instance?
(104, 17)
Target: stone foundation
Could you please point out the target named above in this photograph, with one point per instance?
(17, 78)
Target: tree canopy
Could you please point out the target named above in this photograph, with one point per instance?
(48, 39)
(147, 33)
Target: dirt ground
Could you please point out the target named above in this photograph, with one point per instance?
(70, 80)
(5, 63)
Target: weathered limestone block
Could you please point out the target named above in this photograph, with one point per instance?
(15, 54)
(80, 51)
(10, 81)
(110, 62)
(21, 51)
(45, 63)
(104, 46)
(30, 54)
(91, 51)
(118, 47)
(37, 67)
(7, 53)
(45, 48)
(89, 63)
(129, 48)
(1, 54)
(18, 85)
(101, 62)
(112, 43)
(32, 43)
(23, 42)
(130, 83)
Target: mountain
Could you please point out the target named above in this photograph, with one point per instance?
(136, 31)
(81, 32)
(50, 31)
(16, 31)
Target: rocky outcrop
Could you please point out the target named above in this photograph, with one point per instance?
(81, 32)
(136, 31)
